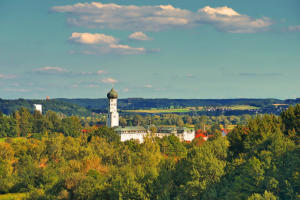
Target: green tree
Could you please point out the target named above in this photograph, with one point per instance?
(266, 196)
(54, 122)
(203, 167)
(71, 126)
(171, 146)
(24, 121)
(291, 122)
(107, 133)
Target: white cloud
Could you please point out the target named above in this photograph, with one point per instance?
(294, 28)
(89, 38)
(228, 20)
(139, 36)
(129, 17)
(63, 72)
(125, 49)
(148, 86)
(103, 44)
(7, 76)
(99, 72)
(156, 18)
(109, 80)
(49, 69)
(190, 75)
(220, 11)
(125, 90)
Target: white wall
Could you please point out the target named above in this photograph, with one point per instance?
(134, 136)
(113, 115)
(188, 136)
(38, 107)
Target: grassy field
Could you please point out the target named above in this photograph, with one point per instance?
(189, 109)
(242, 107)
(154, 111)
(12, 196)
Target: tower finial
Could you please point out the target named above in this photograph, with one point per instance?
(112, 94)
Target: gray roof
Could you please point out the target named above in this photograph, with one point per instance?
(130, 128)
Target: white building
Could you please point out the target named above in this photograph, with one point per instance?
(132, 133)
(113, 115)
(139, 132)
(38, 107)
(183, 133)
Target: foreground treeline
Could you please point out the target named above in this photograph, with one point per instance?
(259, 160)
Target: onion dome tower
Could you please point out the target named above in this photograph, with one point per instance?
(113, 115)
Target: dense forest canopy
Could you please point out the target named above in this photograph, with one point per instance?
(256, 160)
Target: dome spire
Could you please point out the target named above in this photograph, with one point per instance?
(112, 94)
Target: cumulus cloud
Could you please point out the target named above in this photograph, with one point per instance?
(101, 43)
(294, 28)
(109, 80)
(159, 17)
(228, 20)
(139, 36)
(89, 38)
(219, 11)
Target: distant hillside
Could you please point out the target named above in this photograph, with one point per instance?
(140, 103)
(84, 107)
(9, 106)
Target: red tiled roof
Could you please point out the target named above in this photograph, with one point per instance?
(200, 135)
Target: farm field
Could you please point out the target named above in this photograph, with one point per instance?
(240, 107)
(154, 111)
(190, 109)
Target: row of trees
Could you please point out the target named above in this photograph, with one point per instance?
(23, 124)
(258, 160)
(181, 120)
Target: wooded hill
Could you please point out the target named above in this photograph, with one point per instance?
(84, 106)
(140, 103)
(10, 106)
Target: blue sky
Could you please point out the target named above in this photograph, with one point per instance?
(150, 49)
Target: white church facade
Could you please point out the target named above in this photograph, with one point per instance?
(139, 132)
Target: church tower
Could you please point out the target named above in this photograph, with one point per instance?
(113, 115)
